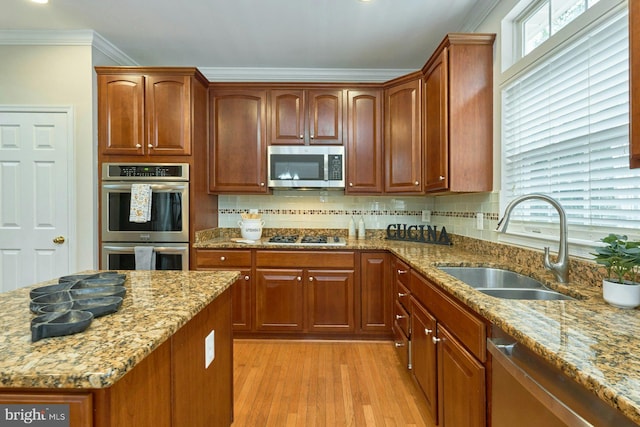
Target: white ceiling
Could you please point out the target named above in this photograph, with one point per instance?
(307, 34)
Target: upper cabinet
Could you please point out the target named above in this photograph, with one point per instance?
(458, 115)
(146, 112)
(237, 142)
(364, 142)
(403, 136)
(306, 117)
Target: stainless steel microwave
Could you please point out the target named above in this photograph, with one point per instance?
(304, 166)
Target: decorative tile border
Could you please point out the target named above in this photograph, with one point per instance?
(359, 212)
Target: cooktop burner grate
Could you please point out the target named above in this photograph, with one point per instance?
(293, 238)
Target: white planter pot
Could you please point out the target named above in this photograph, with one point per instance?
(621, 295)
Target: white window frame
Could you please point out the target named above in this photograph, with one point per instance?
(513, 65)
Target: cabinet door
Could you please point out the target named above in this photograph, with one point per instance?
(241, 302)
(375, 292)
(238, 146)
(330, 301)
(461, 384)
(325, 117)
(279, 300)
(287, 124)
(365, 164)
(436, 136)
(80, 404)
(121, 114)
(168, 115)
(423, 355)
(403, 138)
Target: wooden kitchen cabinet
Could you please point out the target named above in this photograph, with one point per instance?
(458, 115)
(241, 290)
(309, 292)
(146, 112)
(365, 155)
(403, 135)
(448, 356)
(237, 143)
(306, 117)
(376, 295)
(400, 277)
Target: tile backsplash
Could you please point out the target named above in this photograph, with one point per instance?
(333, 209)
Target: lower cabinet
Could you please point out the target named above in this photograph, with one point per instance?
(376, 294)
(448, 352)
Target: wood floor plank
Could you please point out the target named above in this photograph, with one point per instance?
(323, 383)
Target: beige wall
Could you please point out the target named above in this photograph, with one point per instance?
(62, 76)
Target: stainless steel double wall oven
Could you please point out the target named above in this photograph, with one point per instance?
(167, 231)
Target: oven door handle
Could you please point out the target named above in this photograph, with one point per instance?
(157, 188)
(158, 249)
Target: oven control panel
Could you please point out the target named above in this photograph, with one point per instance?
(138, 172)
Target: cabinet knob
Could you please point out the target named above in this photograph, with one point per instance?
(427, 331)
(299, 279)
(400, 316)
(311, 136)
(311, 279)
(262, 184)
(398, 344)
(301, 136)
(150, 145)
(441, 178)
(223, 258)
(351, 184)
(401, 294)
(417, 183)
(402, 271)
(435, 340)
(138, 146)
(246, 278)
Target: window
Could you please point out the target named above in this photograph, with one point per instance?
(546, 18)
(565, 133)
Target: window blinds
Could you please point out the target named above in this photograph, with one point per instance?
(566, 133)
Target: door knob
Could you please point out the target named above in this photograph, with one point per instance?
(58, 240)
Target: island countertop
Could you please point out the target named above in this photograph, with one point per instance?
(589, 340)
(156, 305)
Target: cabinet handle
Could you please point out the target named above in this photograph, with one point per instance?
(400, 316)
(246, 278)
(299, 279)
(400, 294)
(138, 146)
(301, 136)
(441, 178)
(222, 258)
(402, 271)
(150, 145)
(398, 344)
(435, 340)
(417, 183)
(427, 331)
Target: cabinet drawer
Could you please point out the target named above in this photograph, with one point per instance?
(467, 327)
(402, 345)
(222, 258)
(401, 317)
(401, 273)
(403, 296)
(309, 259)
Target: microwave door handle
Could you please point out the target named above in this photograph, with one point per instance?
(170, 250)
(119, 249)
(326, 167)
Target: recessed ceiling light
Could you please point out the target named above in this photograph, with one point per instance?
(40, 1)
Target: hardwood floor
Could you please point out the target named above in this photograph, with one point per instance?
(323, 383)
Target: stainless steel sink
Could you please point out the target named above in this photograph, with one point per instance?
(486, 277)
(506, 284)
(536, 294)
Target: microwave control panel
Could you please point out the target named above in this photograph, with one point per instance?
(335, 167)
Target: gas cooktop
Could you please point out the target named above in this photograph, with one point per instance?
(294, 239)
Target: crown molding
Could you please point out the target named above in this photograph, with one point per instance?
(247, 74)
(477, 15)
(65, 38)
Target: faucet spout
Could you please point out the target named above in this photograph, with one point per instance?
(560, 268)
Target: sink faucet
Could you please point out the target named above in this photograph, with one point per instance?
(560, 269)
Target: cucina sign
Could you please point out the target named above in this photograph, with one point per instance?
(418, 233)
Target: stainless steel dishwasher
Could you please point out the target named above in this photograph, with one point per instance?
(528, 391)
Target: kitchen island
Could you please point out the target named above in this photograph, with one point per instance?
(142, 365)
(593, 343)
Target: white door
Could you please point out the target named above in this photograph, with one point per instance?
(34, 196)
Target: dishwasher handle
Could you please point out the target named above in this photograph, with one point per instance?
(503, 354)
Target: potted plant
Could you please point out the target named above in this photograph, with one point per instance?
(621, 258)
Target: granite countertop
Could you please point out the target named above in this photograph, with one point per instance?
(592, 342)
(156, 305)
